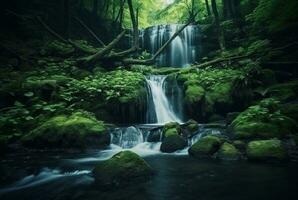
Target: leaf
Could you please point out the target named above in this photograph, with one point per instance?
(29, 118)
(29, 94)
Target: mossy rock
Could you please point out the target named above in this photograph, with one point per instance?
(194, 93)
(257, 130)
(192, 126)
(173, 143)
(264, 150)
(228, 151)
(78, 130)
(123, 168)
(171, 128)
(170, 132)
(206, 146)
(264, 121)
(239, 144)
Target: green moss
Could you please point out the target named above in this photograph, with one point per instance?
(255, 129)
(241, 145)
(74, 131)
(171, 128)
(194, 93)
(206, 146)
(221, 93)
(266, 150)
(263, 121)
(192, 126)
(121, 169)
(173, 143)
(228, 151)
(170, 132)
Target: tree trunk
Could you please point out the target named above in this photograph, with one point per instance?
(207, 7)
(220, 33)
(66, 16)
(134, 22)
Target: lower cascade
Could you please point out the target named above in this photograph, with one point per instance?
(147, 139)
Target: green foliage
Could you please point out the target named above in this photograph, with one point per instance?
(120, 85)
(275, 15)
(263, 120)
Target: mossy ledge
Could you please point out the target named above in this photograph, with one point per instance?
(78, 130)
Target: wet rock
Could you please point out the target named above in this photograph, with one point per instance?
(192, 126)
(239, 145)
(120, 170)
(206, 146)
(173, 143)
(228, 151)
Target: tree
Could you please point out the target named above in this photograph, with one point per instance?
(208, 8)
(220, 33)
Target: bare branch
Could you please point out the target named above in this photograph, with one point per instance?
(90, 31)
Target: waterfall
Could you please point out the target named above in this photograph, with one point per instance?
(159, 103)
(182, 51)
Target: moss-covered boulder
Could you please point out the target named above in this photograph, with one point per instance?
(123, 168)
(228, 151)
(239, 144)
(173, 143)
(266, 150)
(79, 130)
(263, 120)
(192, 126)
(206, 146)
(171, 128)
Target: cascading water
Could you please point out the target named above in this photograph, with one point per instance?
(159, 103)
(182, 51)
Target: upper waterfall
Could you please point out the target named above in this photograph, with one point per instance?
(183, 50)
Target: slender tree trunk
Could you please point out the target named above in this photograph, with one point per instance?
(207, 7)
(220, 33)
(134, 22)
(66, 18)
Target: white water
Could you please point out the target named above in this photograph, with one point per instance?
(45, 176)
(163, 110)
